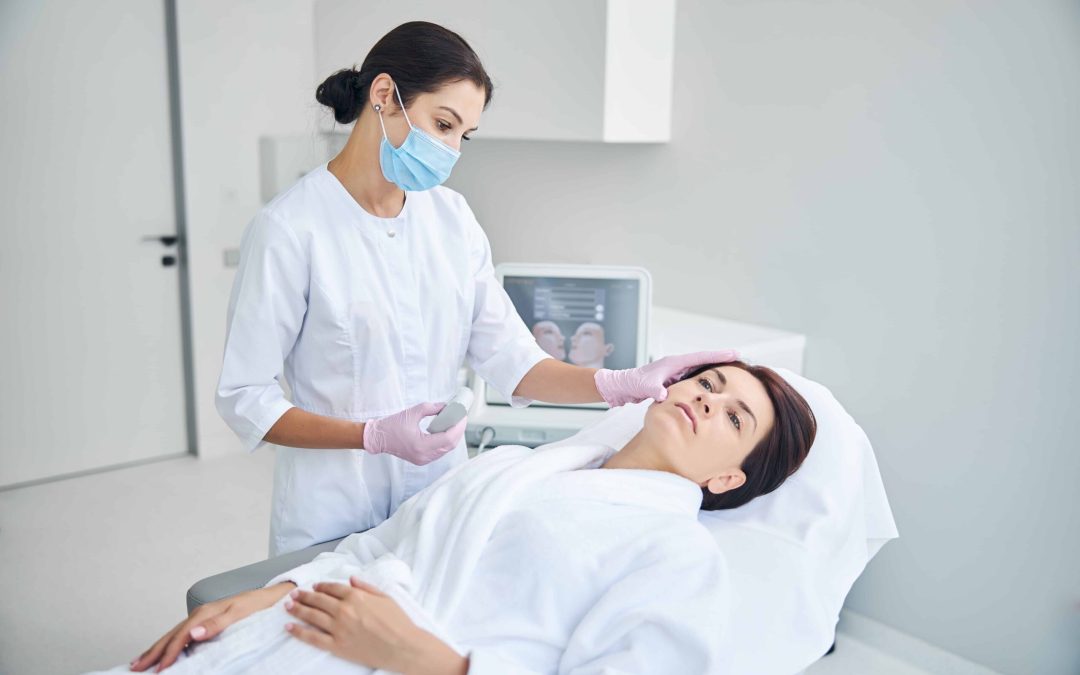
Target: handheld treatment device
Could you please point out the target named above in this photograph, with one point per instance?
(456, 409)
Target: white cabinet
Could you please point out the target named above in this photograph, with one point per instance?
(565, 70)
(677, 332)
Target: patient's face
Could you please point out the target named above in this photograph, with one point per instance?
(704, 431)
(550, 338)
(588, 347)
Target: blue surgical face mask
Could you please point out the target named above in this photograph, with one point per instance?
(421, 163)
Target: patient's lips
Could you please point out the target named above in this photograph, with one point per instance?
(689, 414)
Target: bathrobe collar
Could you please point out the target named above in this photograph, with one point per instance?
(654, 490)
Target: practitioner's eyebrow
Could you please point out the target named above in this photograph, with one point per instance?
(456, 116)
(742, 404)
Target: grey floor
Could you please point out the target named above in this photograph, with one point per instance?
(94, 569)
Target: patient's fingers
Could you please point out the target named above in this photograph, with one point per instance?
(179, 641)
(311, 636)
(321, 598)
(364, 586)
(211, 627)
(315, 617)
(154, 654)
(151, 656)
(193, 628)
(339, 591)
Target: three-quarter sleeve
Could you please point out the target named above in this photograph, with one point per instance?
(266, 311)
(501, 348)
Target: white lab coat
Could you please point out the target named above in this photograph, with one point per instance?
(368, 316)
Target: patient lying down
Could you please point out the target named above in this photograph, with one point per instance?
(571, 558)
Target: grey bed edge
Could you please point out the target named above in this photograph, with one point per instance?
(251, 576)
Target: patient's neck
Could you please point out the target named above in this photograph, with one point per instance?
(638, 453)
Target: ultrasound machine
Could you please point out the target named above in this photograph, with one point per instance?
(590, 315)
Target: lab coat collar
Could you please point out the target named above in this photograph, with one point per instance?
(363, 217)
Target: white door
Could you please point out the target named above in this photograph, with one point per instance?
(91, 369)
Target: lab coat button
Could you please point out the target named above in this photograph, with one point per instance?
(391, 233)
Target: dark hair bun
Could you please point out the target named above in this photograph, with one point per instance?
(418, 56)
(343, 93)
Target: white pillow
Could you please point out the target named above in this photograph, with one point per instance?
(793, 554)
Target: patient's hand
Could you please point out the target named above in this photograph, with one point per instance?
(360, 623)
(208, 621)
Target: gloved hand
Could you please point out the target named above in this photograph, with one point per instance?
(400, 435)
(634, 385)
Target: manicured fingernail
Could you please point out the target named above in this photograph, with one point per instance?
(288, 604)
(288, 626)
(197, 632)
(295, 593)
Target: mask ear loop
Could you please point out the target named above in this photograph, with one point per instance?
(378, 109)
(402, 104)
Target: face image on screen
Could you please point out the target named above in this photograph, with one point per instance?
(586, 322)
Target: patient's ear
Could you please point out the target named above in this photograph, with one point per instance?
(729, 480)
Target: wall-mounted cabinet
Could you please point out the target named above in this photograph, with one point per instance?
(564, 70)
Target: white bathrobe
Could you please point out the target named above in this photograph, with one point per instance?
(528, 562)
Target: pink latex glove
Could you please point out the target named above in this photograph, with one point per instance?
(401, 436)
(634, 385)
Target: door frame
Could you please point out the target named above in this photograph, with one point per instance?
(172, 46)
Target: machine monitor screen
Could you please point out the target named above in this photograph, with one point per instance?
(591, 321)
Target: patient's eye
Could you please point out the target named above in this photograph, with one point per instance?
(735, 420)
(705, 382)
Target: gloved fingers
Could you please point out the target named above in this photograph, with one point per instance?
(446, 440)
(676, 377)
(433, 446)
(691, 360)
(730, 355)
(429, 456)
(421, 410)
(684, 363)
(455, 433)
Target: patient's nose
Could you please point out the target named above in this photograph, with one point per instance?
(714, 401)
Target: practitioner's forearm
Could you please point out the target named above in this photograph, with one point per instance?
(554, 381)
(301, 429)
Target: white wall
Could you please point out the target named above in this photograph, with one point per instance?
(896, 180)
(246, 70)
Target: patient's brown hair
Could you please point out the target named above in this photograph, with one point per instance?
(780, 453)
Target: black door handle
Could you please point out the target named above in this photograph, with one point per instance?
(165, 239)
(168, 260)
